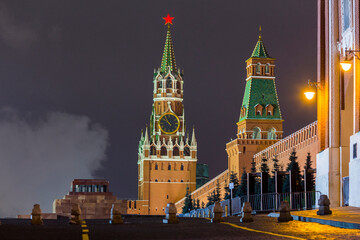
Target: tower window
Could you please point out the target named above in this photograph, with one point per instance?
(169, 167)
(244, 150)
(156, 166)
(152, 150)
(272, 133)
(269, 113)
(182, 167)
(169, 180)
(167, 196)
(168, 83)
(163, 151)
(176, 151)
(182, 180)
(256, 133)
(258, 113)
(156, 180)
(186, 151)
(267, 68)
(258, 68)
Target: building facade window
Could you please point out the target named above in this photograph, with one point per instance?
(256, 133)
(176, 151)
(355, 150)
(186, 151)
(163, 151)
(152, 150)
(169, 167)
(258, 68)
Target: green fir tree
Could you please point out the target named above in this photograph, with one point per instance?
(264, 166)
(242, 190)
(310, 178)
(217, 193)
(188, 204)
(210, 199)
(293, 165)
(276, 168)
(233, 179)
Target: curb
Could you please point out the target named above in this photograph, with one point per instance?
(348, 225)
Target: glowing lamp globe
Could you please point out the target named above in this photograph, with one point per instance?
(345, 65)
(309, 94)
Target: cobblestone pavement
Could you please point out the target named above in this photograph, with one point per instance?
(263, 227)
(305, 230)
(343, 214)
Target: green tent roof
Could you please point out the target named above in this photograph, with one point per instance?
(263, 92)
(260, 50)
(168, 59)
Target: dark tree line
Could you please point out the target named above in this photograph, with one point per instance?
(240, 187)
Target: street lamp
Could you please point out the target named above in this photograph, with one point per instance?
(346, 64)
(310, 92)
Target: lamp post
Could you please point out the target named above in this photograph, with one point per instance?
(310, 92)
(346, 64)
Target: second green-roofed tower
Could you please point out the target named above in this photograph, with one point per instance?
(260, 121)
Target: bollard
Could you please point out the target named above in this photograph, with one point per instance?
(75, 214)
(36, 215)
(218, 211)
(116, 215)
(246, 213)
(324, 205)
(285, 212)
(170, 214)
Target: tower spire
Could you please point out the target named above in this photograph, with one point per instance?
(168, 59)
(146, 136)
(260, 50)
(193, 139)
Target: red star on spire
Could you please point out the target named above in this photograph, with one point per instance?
(168, 19)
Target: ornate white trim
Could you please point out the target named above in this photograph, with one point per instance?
(168, 99)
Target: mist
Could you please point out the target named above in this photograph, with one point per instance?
(40, 156)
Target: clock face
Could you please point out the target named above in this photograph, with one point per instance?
(169, 123)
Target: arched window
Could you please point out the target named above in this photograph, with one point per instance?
(272, 133)
(267, 68)
(152, 150)
(169, 180)
(156, 166)
(186, 151)
(258, 68)
(163, 151)
(176, 151)
(168, 83)
(256, 133)
(182, 167)
(169, 166)
(258, 113)
(244, 150)
(160, 84)
(269, 113)
(156, 180)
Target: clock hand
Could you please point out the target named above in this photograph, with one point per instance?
(167, 121)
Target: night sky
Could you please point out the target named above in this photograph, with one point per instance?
(96, 59)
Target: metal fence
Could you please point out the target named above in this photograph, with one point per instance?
(262, 202)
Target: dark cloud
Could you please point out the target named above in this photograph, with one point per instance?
(40, 156)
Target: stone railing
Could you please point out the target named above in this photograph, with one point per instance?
(298, 140)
